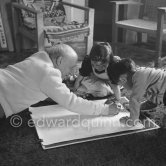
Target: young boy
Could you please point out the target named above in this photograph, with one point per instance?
(93, 78)
(149, 83)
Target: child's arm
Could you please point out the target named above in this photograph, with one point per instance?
(134, 107)
(77, 82)
(116, 90)
(84, 71)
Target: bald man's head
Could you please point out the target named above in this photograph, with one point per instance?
(64, 58)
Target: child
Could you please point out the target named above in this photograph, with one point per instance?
(149, 83)
(93, 78)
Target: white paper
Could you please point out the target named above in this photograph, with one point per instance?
(55, 124)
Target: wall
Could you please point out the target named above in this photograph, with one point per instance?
(75, 14)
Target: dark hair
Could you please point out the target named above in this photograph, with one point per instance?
(124, 66)
(100, 51)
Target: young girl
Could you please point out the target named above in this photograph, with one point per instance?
(93, 78)
(149, 83)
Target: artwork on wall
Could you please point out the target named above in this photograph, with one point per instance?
(6, 40)
(3, 42)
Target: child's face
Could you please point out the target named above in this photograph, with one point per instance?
(101, 64)
(56, 2)
(122, 80)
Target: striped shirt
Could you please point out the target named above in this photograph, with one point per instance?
(149, 83)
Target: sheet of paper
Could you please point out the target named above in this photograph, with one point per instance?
(55, 124)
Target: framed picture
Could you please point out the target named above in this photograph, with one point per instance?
(3, 42)
(6, 40)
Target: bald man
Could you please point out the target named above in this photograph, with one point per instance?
(40, 76)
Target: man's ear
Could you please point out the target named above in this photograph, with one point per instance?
(59, 61)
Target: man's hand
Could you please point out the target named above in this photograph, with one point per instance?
(113, 109)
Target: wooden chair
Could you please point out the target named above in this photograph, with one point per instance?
(41, 32)
(151, 20)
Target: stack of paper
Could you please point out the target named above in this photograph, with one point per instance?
(56, 126)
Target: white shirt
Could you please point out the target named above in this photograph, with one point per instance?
(35, 79)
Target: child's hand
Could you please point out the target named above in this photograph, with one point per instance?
(114, 109)
(77, 83)
(124, 100)
(110, 100)
(128, 121)
(126, 106)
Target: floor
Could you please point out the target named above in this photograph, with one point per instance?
(7, 58)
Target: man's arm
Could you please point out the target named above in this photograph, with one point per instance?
(53, 87)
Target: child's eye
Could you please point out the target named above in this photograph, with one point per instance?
(104, 61)
(100, 60)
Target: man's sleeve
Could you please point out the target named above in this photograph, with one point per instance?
(86, 67)
(53, 87)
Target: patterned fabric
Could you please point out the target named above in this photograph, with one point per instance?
(94, 86)
(56, 27)
(66, 33)
(54, 13)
